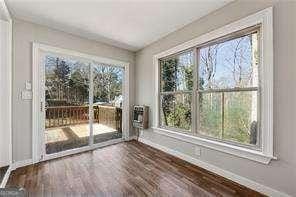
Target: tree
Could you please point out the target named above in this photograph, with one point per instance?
(62, 72)
(168, 76)
(189, 77)
(107, 83)
(239, 60)
(79, 86)
(208, 59)
(177, 75)
(67, 81)
(231, 65)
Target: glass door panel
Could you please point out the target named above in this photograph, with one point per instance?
(66, 103)
(107, 102)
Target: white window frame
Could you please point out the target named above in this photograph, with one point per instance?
(38, 150)
(263, 18)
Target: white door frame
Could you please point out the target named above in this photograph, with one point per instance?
(6, 87)
(38, 146)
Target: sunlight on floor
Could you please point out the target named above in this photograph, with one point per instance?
(55, 135)
(81, 130)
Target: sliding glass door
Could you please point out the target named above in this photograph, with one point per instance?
(83, 102)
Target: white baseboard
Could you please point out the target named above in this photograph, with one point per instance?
(229, 175)
(5, 178)
(134, 137)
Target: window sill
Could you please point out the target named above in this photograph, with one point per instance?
(246, 153)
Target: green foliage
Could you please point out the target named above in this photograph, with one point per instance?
(189, 77)
(229, 115)
(236, 125)
(168, 76)
(176, 108)
(176, 112)
(210, 115)
(180, 117)
(237, 117)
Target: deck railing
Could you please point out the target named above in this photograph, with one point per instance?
(71, 115)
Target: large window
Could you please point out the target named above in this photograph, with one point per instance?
(223, 93)
(216, 90)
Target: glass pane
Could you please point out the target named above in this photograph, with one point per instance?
(210, 114)
(108, 100)
(230, 64)
(240, 117)
(67, 103)
(177, 72)
(176, 111)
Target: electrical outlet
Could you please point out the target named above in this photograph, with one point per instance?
(28, 85)
(197, 151)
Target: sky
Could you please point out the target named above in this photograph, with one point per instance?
(77, 64)
(225, 62)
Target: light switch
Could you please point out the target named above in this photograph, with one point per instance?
(26, 95)
(28, 85)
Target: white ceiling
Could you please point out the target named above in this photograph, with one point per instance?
(130, 24)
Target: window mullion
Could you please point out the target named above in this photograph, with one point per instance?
(228, 90)
(176, 92)
(222, 115)
(194, 106)
(91, 108)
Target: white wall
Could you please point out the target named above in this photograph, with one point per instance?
(24, 33)
(5, 93)
(279, 174)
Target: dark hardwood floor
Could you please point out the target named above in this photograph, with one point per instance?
(125, 169)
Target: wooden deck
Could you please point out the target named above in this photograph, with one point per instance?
(77, 131)
(125, 169)
(67, 127)
(74, 136)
